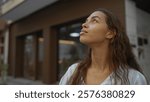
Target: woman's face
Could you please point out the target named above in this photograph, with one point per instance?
(95, 29)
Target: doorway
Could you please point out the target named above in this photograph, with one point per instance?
(32, 53)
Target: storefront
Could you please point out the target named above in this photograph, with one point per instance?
(3, 43)
(44, 44)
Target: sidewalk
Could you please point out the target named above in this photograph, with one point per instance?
(21, 81)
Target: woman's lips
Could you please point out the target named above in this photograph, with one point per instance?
(83, 32)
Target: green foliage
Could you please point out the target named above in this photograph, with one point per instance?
(3, 70)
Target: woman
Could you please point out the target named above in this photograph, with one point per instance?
(110, 60)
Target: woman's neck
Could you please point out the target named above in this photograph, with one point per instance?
(100, 57)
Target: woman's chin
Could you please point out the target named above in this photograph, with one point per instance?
(84, 41)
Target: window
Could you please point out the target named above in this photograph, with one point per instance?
(70, 49)
(33, 56)
(29, 57)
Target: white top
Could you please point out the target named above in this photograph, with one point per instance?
(135, 77)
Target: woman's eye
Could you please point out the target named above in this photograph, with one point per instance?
(94, 20)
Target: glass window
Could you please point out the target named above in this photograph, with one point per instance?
(40, 57)
(29, 57)
(33, 56)
(70, 49)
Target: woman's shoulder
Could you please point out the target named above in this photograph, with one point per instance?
(68, 74)
(136, 77)
(73, 67)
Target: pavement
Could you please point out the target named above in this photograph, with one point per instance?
(20, 81)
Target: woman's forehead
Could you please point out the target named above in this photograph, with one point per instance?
(98, 14)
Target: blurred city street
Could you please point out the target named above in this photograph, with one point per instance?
(39, 39)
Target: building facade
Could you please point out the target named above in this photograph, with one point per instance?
(44, 44)
(3, 43)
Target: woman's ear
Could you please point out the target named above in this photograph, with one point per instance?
(110, 34)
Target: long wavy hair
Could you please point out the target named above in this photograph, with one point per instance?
(121, 55)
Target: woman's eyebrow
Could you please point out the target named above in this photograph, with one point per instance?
(96, 17)
(93, 17)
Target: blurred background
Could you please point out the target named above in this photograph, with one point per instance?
(39, 39)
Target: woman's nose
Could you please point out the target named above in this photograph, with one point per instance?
(84, 25)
